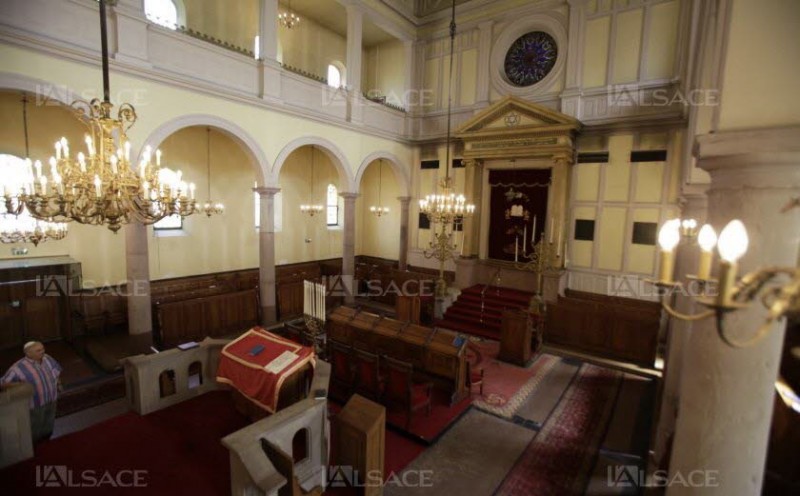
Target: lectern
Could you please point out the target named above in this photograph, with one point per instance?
(515, 337)
(360, 432)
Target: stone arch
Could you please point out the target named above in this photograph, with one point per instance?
(57, 92)
(233, 131)
(330, 150)
(400, 172)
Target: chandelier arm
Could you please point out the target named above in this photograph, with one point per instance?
(683, 316)
(762, 331)
(752, 283)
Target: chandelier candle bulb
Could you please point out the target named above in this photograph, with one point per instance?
(733, 242)
(158, 158)
(97, 189)
(114, 164)
(707, 239)
(58, 150)
(668, 238)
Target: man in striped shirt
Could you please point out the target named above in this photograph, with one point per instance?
(42, 372)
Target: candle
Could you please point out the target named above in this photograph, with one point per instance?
(58, 150)
(191, 189)
(516, 248)
(38, 166)
(114, 164)
(668, 238)
(89, 145)
(707, 239)
(128, 151)
(525, 239)
(43, 182)
(732, 244)
(82, 161)
(97, 185)
(65, 147)
(158, 157)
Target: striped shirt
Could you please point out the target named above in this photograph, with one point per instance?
(42, 376)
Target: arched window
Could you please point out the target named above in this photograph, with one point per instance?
(334, 76)
(332, 206)
(162, 12)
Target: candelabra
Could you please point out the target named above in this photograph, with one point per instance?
(778, 288)
(545, 257)
(441, 247)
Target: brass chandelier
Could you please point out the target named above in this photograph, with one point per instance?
(16, 224)
(379, 210)
(311, 208)
(102, 187)
(210, 207)
(289, 19)
(445, 210)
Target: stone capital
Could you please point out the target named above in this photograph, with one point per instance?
(404, 201)
(349, 196)
(266, 192)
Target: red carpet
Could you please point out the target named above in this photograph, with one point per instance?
(179, 447)
(481, 316)
(559, 460)
(505, 386)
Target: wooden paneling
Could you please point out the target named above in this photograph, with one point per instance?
(612, 327)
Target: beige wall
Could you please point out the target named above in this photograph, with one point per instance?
(759, 87)
(235, 22)
(629, 45)
(385, 69)
(295, 183)
(378, 236)
(311, 47)
(617, 194)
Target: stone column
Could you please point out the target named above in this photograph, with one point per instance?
(137, 266)
(726, 393)
(571, 96)
(266, 255)
(405, 202)
(694, 206)
(270, 68)
(473, 189)
(349, 246)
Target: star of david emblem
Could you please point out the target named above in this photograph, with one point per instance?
(512, 119)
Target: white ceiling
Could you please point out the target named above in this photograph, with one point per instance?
(332, 15)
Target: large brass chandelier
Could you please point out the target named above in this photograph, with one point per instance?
(101, 186)
(446, 210)
(289, 19)
(16, 224)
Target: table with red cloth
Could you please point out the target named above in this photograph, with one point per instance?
(246, 372)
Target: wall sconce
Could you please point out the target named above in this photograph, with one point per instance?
(779, 299)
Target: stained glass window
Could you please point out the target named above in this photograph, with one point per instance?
(530, 58)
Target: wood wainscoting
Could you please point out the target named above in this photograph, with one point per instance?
(612, 327)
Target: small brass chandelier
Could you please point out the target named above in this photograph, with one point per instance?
(210, 207)
(311, 208)
(289, 19)
(445, 210)
(16, 224)
(102, 187)
(379, 210)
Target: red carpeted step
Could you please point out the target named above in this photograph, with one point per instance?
(480, 312)
(474, 312)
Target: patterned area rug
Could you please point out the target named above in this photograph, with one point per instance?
(505, 386)
(560, 458)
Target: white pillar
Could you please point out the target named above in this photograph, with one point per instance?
(266, 254)
(349, 246)
(268, 30)
(725, 406)
(355, 27)
(137, 266)
(694, 206)
(404, 206)
(269, 67)
(571, 96)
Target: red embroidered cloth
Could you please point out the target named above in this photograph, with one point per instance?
(246, 372)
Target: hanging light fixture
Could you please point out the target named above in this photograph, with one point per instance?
(312, 208)
(445, 209)
(289, 19)
(16, 224)
(210, 207)
(102, 187)
(379, 210)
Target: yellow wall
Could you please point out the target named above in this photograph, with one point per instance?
(661, 39)
(208, 244)
(759, 87)
(385, 68)
(379, 236)
(634, 192)
(237, 25)
(627, 46)
(311, 47)
(595, 51)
